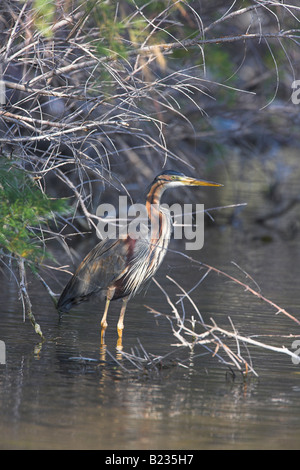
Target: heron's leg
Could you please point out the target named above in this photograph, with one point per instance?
(103, 321)
(121, 317)
(109, 296)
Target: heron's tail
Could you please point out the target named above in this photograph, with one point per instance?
(72, 294)
(64, 306)
(66, 300)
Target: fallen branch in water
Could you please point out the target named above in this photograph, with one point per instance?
(245, 286)
(215, 339)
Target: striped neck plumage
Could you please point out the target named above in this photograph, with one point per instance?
(154, 196)
(153, 209)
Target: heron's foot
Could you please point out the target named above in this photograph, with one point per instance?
(120, 328)
(119, 346)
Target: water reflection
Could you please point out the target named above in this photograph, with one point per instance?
(68, 397)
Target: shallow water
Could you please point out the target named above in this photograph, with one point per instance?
(68, 393)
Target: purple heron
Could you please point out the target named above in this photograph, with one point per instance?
(117, 269)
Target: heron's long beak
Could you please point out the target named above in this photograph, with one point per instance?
(194, 182)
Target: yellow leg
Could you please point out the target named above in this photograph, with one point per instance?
(109, 296)
(121, 317)
(119, 346)
(120, 326)
(103, 321)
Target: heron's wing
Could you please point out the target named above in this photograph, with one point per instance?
(100, 268)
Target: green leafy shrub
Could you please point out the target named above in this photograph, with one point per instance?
(24, 209)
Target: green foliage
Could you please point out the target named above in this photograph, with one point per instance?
(221, 68)
(111, 29)
(24, 207)
(220, 63)
(124, 28)
(44, 15)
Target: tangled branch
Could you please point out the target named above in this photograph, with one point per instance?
(211, 336)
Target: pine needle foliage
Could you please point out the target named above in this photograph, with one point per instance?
(24, 210)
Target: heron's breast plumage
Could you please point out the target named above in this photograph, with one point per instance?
(146, 256)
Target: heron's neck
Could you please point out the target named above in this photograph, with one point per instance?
(156, 216)
(154, 196)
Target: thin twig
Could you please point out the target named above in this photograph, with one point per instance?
(26, 299)
(242, 284)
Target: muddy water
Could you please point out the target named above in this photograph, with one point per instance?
(68, 393)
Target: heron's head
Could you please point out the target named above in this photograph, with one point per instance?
(172, 179)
